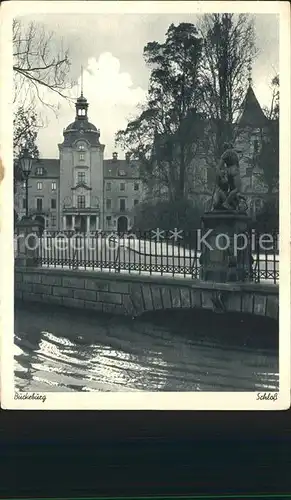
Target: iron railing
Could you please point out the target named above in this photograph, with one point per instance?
(164, 253)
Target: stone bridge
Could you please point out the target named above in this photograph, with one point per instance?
(133, 295)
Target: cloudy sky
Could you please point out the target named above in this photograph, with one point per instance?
(110, 48)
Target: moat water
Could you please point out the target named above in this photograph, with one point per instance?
(61, 350)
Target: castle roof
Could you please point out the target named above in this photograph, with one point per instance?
(122, 169)
(50, 166)
(252, 113)
(81, 126)
(113, 168)
(84, 125)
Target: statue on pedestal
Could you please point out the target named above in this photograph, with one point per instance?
(228, 183)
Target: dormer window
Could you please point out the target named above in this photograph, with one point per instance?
(39, 171)
(121, 172)
(81, 147)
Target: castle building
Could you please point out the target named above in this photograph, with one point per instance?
(253, 129)
(249, 132)
(81, 190)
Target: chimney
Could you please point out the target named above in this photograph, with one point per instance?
(115, 156)
(127, 156)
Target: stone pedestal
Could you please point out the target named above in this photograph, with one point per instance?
(226, 251)
(28, 232)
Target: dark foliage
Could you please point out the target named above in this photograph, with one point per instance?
(182, 215)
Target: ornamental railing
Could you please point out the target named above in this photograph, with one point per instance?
(160, 253)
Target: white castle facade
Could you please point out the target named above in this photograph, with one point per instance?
(81, 190)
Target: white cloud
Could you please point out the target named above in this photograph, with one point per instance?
(112, 99)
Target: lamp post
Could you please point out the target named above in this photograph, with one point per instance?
(25, 161)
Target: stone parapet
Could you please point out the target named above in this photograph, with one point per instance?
(134, 295)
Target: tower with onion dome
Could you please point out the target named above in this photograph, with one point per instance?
(81, 173)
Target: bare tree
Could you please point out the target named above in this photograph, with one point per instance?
(228, 47)
(40, 66)
(268, 156)
(273, 111)
(40, 63)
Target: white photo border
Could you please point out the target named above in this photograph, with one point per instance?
(138, 400)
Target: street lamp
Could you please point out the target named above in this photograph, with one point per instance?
(25, 161)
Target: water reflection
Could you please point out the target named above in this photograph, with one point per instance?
(64, 350)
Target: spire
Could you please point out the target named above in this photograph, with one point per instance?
(81, 104)
(81, 81)
(250, 80)
(252, 113)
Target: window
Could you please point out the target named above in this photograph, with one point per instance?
(108, 186)
(135, 202)
(54, 186)
(136, 186)
(24, 184)
(24, 203)
(256, 146)
(82, 156)
(81, 201)
(108, 220)
(39, 204)
(122, 204)
(39, 171)
(257, 204)
(53, 203)
(39, 186)
(81, 147)
(108, 203)
(122, 186)
(121, 172)
(81, 177)
(53, 220)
